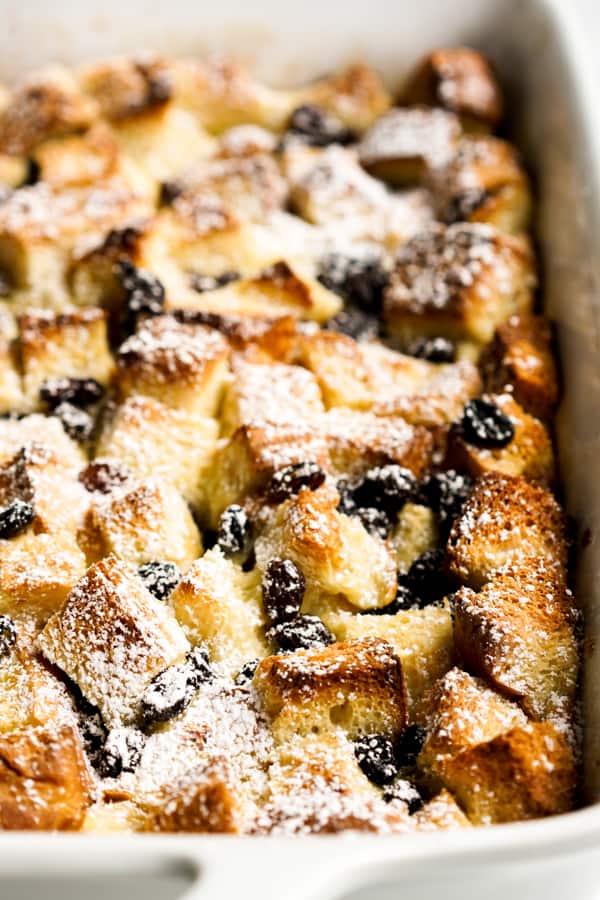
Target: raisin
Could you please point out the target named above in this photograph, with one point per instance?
(169, 192)
(93, 732)
(302, 633)
(122, 752)
(166, 696)
(426, 578)
(77, 423)
(462, 205)
(354, 323)
(199, 670)
(32, 174)
(360, 281)
(80, 392)
(375, 756)
(446, 493)
(246, 673)
(403, 600)
(144, 293)
(104, 476)
(290, 480)
(202, 283)
(235, 532)
(485, 425)
(318, 127)
(160, 578)
(8, 635)
(434, 349)
(283, 587)
(409, 744)
(375, 521)
(406, 792)
(386, 488)
(15, 517)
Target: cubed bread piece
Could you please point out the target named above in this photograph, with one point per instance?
(356, 686)
(30, 694)
(519, 633)
(520, 359)
(112, 637)
(360, 440)
(338, 364)
(124, 87)
(463, 713)
(220, 605)
(334, 551)
(356, 95)
(108, 817)
(529, 453)
(526, 773)
(246, 461)
(459, 79)
(63, 345)
(206, 799)
(441, 813)
(415, 532)
(184, 366)
(246, 140)
(37, 572)
(17, 433)
(459, 281)
(269, 393)
(44, 781)
(135, 434)
(422, 639)
(78, 159)
(258, 339)
(506, 520)
(484, 182)
(404, 144)
(48, 103)
(142, 522)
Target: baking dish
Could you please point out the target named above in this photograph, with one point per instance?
(549, 91)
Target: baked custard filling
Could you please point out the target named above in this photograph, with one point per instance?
(280, 550)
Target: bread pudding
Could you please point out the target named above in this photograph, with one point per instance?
(280, 548)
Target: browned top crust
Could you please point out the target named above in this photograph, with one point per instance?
(128, 87)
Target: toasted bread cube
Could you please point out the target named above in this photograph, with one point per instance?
(112, 637)
(183, 366)
(519, 633)
(525, 773)
(64, 345)
(220, 605)
(443, 813)
(415, 532)
(30, 694)
(334, 551)
(461, 80)
(246, 461)
(269, 393)
(356, 686)
(437, 400)
(259, 339)
(484, 182)
(520, 360)
(135, 435)
(37, 572)
(47, 104)
(44, 781)
(206, 799)
(404, 144)
(422, 639)
(246, 140)
(78, 159)
(339, 367)
(17, 433)
(124, 87)
(505, 520)
(356, 95)
(528, 454)
(360, 440)
(143, 522)
(459, 281)
(109, 817)
(464, 713)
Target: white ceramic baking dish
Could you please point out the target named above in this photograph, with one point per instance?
(552, 105)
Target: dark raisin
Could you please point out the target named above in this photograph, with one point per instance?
(290, 480)
(406, 792)
(5, 285)
(446, 493)
(199, 670)
(318, 127)
(80, 392)
(347, 504)
(283, 587)
(160, 578)
(166, 696)
(93, 732)
(354, 323)
(375, 521)
(485, 425)
(78, 424)
(202, 283)
(144, 293)
(104, 476)
(235, 532)
(403, 600)
(15, 517)
(209, 538)
(32, 174)
(8, 635)
(434, 349)
(375, 756)
(426, 578)
(122, 752)
(302, 633)
(409, 744)
(462, 205)
(124, 239)
(169, 192)
(246, 673)
(359, 280)
(386, 488)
